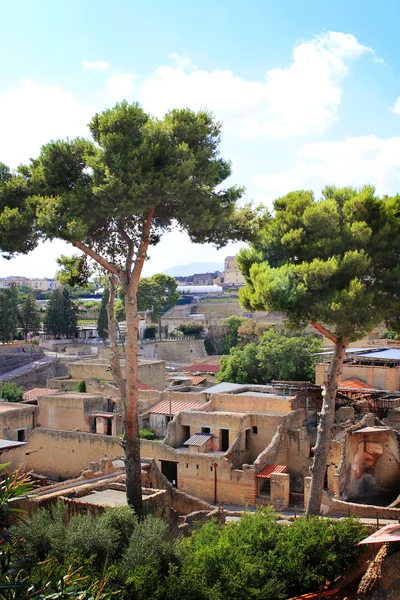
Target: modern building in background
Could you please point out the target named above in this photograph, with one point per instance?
(43, 285)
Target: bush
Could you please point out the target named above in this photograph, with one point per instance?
(10, 392)
(210, 347)
(150, 332)
(81, 387)
(147, 434)
(191, 328)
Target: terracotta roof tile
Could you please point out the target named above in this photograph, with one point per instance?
(36, 392)
(197, 379)
(144, 386)
(165, 407)
(269, 469)
(355, 384)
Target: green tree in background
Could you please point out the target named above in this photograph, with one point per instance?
(17, 214)
(113, 197)
(61, 314)
(29, 316)
(230, 335)
(102, 321)
(278, 356)
(157, 294)
(8, 314)
(334, 263)
(119, 311)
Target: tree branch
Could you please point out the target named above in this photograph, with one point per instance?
(324, 331)
(102, 261)
(144, 244)
(129, 242)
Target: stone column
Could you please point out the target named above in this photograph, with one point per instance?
(280, 490)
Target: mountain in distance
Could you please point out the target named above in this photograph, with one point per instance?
(195, 267)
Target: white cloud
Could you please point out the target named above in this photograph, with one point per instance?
(301, 99)
(396, 108)
(95, 65)
(120, 86)
(33, 114)
(354, 161)
(182, 60)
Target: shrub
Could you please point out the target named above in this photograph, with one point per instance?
(147, 434)
(10, 392)
(191, 328)
(81, 387)
(210, 347)
(150, 332)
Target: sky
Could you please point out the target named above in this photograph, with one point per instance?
(308, 92)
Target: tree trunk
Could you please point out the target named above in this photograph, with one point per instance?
(115, 364)
(131, 421)
(321, 448)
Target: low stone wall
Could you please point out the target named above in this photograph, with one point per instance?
(179, 351)
(64, 454)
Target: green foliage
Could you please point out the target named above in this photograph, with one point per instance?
(29, 316)
(258, 559)
(191, 328)
(11, 392)
(389, 334)
(150, 332)
(102, 321)
(157, 294)
(9, 314)
(279, 355)
(230, 336)
(61, 314)
(332, 260)
(147, 434)
(210, 346)
(74, 270)
(119, 311)
(81, 387)
(17, 213)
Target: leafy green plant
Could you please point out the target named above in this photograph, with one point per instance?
(81, 387)
(147, 434)
(191, 328)
(10, 392)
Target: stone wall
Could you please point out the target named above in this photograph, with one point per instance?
(14, 416)
(64, 454)
(151, 373)
(207, 476)
(69, 411)
(179, 351)
(9, 362)
(251, 402)
(38, 375)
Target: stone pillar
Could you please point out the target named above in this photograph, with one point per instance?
(101, 425)
(307, 484)
(280, 490)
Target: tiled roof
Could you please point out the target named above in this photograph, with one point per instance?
(197, 379)
(165, 407)
(198, 439)
(144, 386)
(269, 469)
(355, 384)
(201, 368)
(36, 392)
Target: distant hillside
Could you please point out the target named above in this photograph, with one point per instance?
(192, 268)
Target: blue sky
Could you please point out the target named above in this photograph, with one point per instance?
(307, 91)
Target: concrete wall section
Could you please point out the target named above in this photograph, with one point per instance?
(151, 373)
